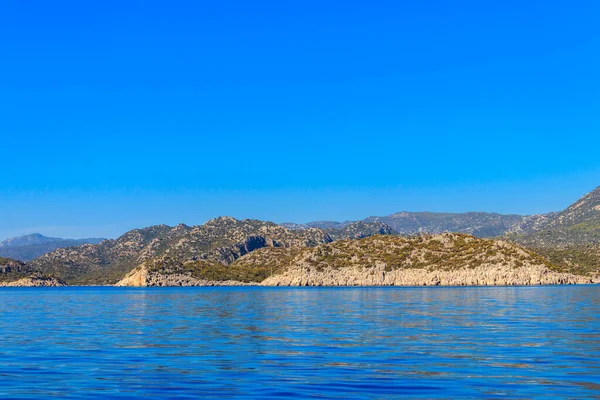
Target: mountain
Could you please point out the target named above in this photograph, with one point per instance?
(346, 230)
(226, 250)
(221, 240)
(317, 224)
(570, 237)
(29, 247)
(446, 259)
(359, 230)
(479, 224)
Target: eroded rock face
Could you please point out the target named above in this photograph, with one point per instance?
(485, 275)
(141, 277)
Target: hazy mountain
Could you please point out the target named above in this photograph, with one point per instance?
(478, 224)
(359, 230)
(29, 247)
(317, 224)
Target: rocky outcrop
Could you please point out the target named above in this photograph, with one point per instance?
(142, 277)
(485, 275)
(34, 280)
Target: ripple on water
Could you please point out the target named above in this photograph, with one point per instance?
(300, 342)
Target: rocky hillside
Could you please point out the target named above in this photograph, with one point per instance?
(221, 241)
(570, 237)
(17, 273)
(445, 259)
(11, 270)
(29, 247)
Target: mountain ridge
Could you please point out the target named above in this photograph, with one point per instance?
(225, 247)
(29, 247)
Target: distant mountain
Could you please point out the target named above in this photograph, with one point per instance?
(570, 237)
(478, 224)
(317, 224)
(29, 247)
(359, 230)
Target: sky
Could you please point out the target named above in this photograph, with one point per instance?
(117, 115)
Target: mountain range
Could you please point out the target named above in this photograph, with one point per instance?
(479, 224)
(229, 250)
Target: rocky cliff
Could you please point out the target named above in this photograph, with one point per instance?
(34, 280)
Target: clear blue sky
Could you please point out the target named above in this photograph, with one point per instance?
(124, 114)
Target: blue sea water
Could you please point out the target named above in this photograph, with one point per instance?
(225, 342)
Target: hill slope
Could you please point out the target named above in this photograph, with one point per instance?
(570, 237)
(17, 273)
(446, 259)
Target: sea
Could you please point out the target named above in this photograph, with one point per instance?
(321, 343)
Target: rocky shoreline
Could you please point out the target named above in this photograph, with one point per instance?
(480, 276)
(487, 275)
(141, 277)
(34, 281)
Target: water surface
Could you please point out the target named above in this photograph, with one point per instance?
(303, 342)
